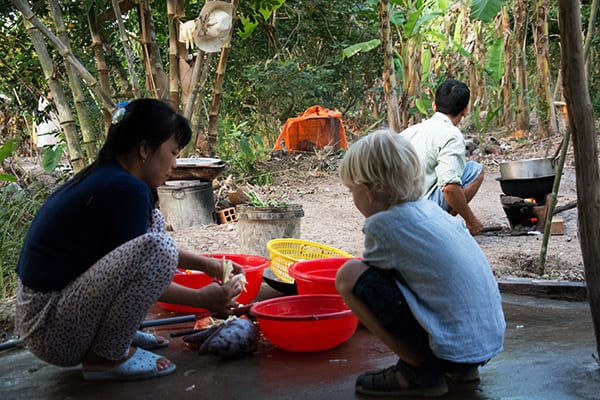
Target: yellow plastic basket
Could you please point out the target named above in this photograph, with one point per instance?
(285, 252)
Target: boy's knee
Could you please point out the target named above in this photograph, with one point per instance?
(346, 276)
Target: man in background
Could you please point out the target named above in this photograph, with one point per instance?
(450, 180)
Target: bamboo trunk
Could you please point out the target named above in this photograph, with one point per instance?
(581, 125)
(101, 66)
(213, 114)
(389, 72)
(520, 29)
(506, 119)
(126, 48)
(589, 36)
(545, 106)
(156, 78)
(174, 8)
(198, 111)
(28, 15)
(87, 132)
(65, 117)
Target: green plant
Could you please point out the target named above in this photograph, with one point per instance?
(16, 213)
(241, 148)
(256, 201)
(5, 151)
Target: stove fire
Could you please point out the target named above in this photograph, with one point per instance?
(525, 214)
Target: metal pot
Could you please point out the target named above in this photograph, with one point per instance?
(526, 169)
(527, 188)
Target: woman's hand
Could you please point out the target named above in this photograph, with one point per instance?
(209, 265)
(220, 298)
(215, 297)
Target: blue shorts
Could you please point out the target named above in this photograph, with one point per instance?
(470, 174)
(377, 289)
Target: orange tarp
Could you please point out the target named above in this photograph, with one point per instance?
(316, 128)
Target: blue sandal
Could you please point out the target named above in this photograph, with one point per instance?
(142, 365)
(148, 341)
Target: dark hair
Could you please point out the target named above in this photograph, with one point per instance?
(147, 121)
(451, 97)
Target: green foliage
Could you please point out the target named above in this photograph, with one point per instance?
(296, 61)
(495, 60)
(241, 149)
(5, 151)
(360, 47)
(485, 10)
(52, 156)
(253, 13)
(256, 201)
(18, 207)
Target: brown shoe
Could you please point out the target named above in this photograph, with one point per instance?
(416, 383)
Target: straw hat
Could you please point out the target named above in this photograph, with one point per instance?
(213, 26)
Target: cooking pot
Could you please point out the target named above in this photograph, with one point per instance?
(527, 188)
(525, 169)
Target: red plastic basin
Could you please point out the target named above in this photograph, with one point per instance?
(305, 323)
(316, 276)
(254, 267)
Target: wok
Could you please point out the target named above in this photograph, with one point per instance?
(528, 187)
(525, 169)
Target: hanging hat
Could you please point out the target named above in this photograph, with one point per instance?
(213, 26)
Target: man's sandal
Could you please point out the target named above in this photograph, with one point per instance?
(467, 375)
(142, 365)
(417, 383)
(148, 341)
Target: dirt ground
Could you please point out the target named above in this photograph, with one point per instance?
(331, 218)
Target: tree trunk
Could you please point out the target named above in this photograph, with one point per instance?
(389, 72)
(213, 114)
(65, 116)
(28, 15)
(545, 101)
(101, 66)
(581, 124)
(87, 132)
(589, 36)
(156, 78)
(520, 30)
(506, 119)
(175, 11)
(126, 48)
(201, 143)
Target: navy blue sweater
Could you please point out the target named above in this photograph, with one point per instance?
(82, 222)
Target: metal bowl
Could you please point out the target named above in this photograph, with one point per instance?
(205, 169)
(526, 169)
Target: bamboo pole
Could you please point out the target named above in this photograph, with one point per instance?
(87, 132)
(126, 48)
(552, 202)
(65, 52)
(389, 72)
(64, 112)
(213, 114)
(101, 66)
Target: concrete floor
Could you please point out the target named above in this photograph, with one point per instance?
(549, 354)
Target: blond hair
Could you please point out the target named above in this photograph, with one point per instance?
(387, 161)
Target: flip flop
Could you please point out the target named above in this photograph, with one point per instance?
(148, 341)
(142, 365)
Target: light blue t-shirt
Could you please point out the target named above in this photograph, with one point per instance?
(445, 278)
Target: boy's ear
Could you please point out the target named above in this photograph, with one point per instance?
(371, 192)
